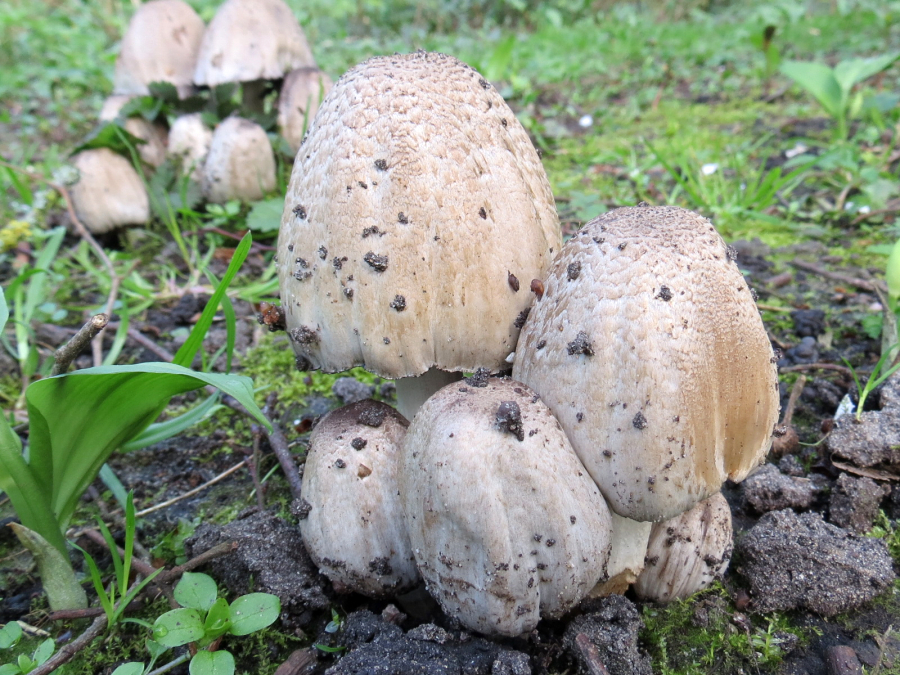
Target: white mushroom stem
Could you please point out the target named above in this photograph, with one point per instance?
(626, 559)
(412, 392)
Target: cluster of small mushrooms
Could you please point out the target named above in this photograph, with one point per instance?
(251, 42)
(420, 240)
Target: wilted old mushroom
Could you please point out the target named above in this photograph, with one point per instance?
(301, 94)
(154, 134)
(160, 45)
(240, 163)
(687, 553)
(648, 347)
(505, 523)
(417, 214)
(109, 193)
(251, 41)
(352, 524)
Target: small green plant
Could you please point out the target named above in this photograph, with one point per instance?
(76, 421)
(889, 532)
(832, 87)
(203, 619)
(877, 376)
(119, 588)
(10, 635)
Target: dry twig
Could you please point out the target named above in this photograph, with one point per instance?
(835, 276)
(67, 353)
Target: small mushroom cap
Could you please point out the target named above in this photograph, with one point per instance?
(505, 523)
(240, 163)
(686, 554)
(189, 141)
(251, 40)
(417, 214)
(355, 531)
(160, 45)
(298, 103)
(154, 134)
(109, 193)
(648, 347)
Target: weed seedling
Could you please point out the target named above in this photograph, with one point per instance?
(875, 379)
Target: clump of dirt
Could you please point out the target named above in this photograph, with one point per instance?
(608, 634)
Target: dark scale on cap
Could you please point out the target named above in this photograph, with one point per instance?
(482, 213)
(639, 422)
(513, 281)
(300, 212)
(369, 231)
(398, 303)
(573, 271)
(362, 185)
(572, 519)
(301, 508)
(340, 464)
(622, 246)
(372, 416)
(484, 84)
(579, 416)
(509, 419)
(541, 344)
(479, 378)
(664, 293)
(402, 219)
(551, 542)
(381, 165)
(503, 122)
(291, 248)
(522, 318)
(358, 443)
(304, 336)
(379, 263)
(580, 345)
(537, 287)
(731, 252)
(381, 566)
(302, 363)
(323, 252)
(348, 293)
(386, 340)
(337, 263)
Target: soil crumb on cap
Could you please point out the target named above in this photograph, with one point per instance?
(372, 416)
(509, 419)
(580, 345)
(379, 263)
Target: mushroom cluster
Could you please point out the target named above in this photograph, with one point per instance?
(417, 218)
(253, 43)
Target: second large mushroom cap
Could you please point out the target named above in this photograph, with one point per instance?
(417, 215)
(648, 347)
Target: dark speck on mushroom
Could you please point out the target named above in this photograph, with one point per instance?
(300, 212)
(337, 263)
(381, 165)
(358, 443)
(362, 185)
(503, 122)
(513, 281)
(372, 415)
(731, 252)
(541, 344)
(580, 345)
(379, 263)
(398, 303)
(369, 231)
(573, 270)
(523, 316)
(323, 252)
(482, 213)
(386, 340)
(340, 464)
(304, 335)
(509, 419)
(537, 287)
(479, 378)
(348, 293)
(664, 294)
(639, 422)
(622, 246)
(402, 219)
(484, 84)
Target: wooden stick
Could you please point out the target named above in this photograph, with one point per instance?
(834, 276)
(815, 366)
(69, 650)
(191, 493)
(67, 353)
(796, 390)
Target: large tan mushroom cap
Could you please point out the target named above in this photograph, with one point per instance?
(154, 134)
(649, 349)
(160, 45)
(109, 193)
(417, 215)
(240, 163)
(506, 525)
(301, 94)
(354, 530)
(251, 40)
(686, 554)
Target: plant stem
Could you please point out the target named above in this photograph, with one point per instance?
(68, 651)
(67, 353)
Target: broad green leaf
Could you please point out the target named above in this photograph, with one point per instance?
(78, 419)
(132, 668)
(253, 612)
(178, 627)
(196, 591)
(819, 80)
(58, 578)
(850, 72)
(212, 663)
(10, 634)
(265, 216)
(185, 355)
(218, 620)
(110, 135)
(9, 669)
(44, 651)
(162, 431)
(111, 480)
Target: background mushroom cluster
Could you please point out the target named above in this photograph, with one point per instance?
(420, 241)
(175, 109)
